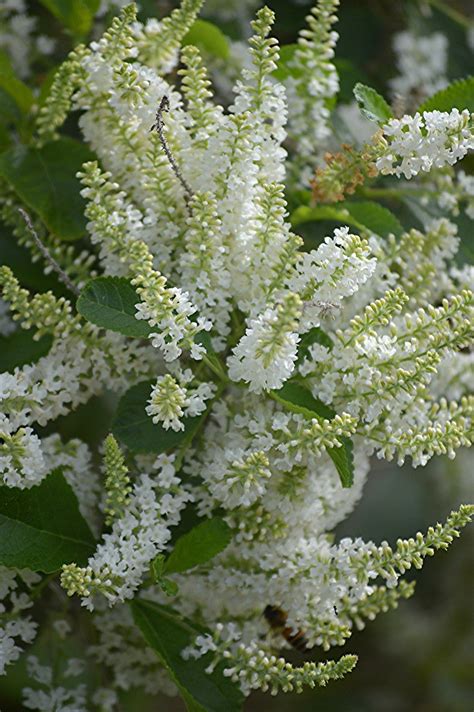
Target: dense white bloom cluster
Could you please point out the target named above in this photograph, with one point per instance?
(336, 270)
(425, 141)
(422, 63)
(35, 393)
(300, 364)
(137, 536)
(175, 397)
(265, 355)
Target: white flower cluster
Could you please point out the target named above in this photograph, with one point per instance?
(173, 398)
(312, 83)
(16, 628)
(137, 536)
(21, 459)
(50, 696)
(451, 190)
(265, 355)
(273, 463)
(326, 276)
(422, 62)
(382, 364)
(433, 139)
(80, 364)
(373, 336)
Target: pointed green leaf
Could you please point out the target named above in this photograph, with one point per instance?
(76, 15)
(371, 104)
(17, 90)
(135, 429)
(298, 399)
(306, 213)
(110, 302)
(209, 38)
(343, 459)
(45, 180)
(20, 348)
(374, 217)
(363, 215)
(201, 544)
(168, 634)
(459, 94)
(41, 528)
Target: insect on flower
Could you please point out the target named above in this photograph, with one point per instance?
(326, 309)
(276, 618)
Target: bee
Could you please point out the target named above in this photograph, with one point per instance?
(326, 309)
(276, 619)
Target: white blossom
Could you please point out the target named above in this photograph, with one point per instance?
(422, 64)
(424, 141)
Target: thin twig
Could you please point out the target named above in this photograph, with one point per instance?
(158, 126)
(452, 13)
(46, 254)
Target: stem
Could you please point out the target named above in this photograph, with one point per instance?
(158, 126)
(216, 369)
(451, 12)
(393, 193)
(46, 254)
(35, 591)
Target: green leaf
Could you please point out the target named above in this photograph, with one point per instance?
(459, 94)
(284, 70)
(14, 87)
(9, 112)
(363, 215)
(169, 586)
(374, 217)
(20, 348)
(298, 399)
(168, 634)
(343, 459)
(199, 545)
(76, 15)
(314, 336)
(371, 104)
(41, 528)
(109, 302)
(305, 213)
(209, 38)
(135, 429)
(45, 180)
